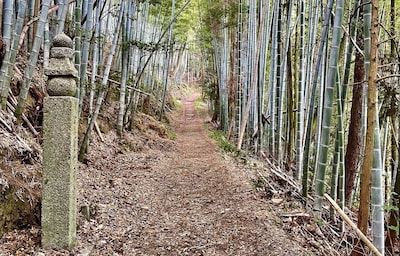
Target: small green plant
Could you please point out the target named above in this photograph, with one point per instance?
(319, 221)
(395, 228)
(177, 104)
(199, 104)
(258, 183)
(222, 142)
(390, 208)
(171, 133)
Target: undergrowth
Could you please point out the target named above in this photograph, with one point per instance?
(177, 104)
(170, 133)
(222, 142)
(199, 103)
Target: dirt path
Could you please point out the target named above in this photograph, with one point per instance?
(187, 201)
(182, 199)
(209, 206)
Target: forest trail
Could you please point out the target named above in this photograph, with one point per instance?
(180, 198)
(185, 201)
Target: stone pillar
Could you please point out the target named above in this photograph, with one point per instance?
(60, 148)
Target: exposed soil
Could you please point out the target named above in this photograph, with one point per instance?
(179, 197)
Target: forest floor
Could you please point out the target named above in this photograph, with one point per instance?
(181, 197)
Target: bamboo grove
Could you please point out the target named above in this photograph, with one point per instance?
(311, 84)
(128, 46)
(314, 86)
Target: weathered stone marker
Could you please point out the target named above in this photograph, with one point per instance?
(60, 147)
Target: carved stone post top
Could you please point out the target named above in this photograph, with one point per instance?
(62, 40)
(62, 47)
(61, 71)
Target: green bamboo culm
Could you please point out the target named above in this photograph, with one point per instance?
(8, 9)
(307, 142)
(61, 16)
(167, 60)
(32, 60)
(9, 59)
(300, 105)
(327, 109)
(262, 70)
(124, 72)
(87, 34)
(103, 89)
(77, 45)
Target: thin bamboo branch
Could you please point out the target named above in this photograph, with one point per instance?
(352, 40)
(386, 77)
(119, 83)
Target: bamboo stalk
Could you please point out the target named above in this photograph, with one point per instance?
(11, 105)
(353, 225)
(25, 119)
(96, 126)
(4, 123)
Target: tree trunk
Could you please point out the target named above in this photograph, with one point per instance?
(365, 182)
(363, 215)
(354, 145)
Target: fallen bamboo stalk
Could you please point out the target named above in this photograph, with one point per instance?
(96, 126)
(266, 182)
(282, 175)
(25, 119)
(351, 224)
(12, 103)
(4, 123)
